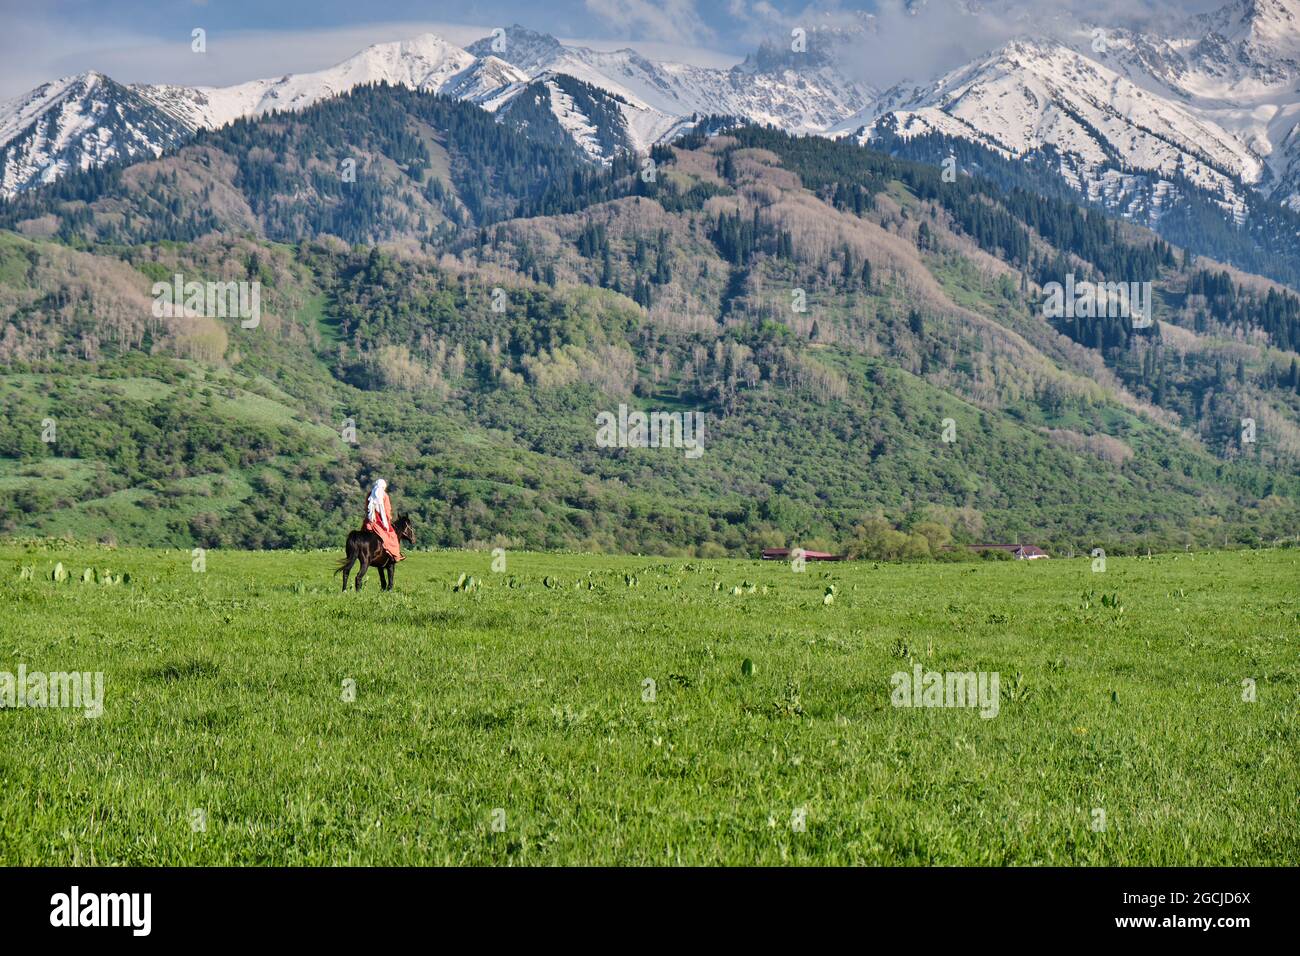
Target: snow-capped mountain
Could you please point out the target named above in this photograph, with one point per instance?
(1214, 103)
(61, 126)
(76, 123)
(555, 107)
(1250, 44)
(426, 62)
(625, 74)
(804, 92)
(1130, 117)
(1033, 94)
(88, 120)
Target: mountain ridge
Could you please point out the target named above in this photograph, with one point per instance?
(1164, 101)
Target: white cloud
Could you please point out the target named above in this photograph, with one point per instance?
(919, 39)
(670, 52)
(669, 21)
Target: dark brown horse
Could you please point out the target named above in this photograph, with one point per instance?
(368, 548)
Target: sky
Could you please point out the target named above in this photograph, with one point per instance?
(149, 40)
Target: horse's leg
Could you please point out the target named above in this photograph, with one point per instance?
(391, 568)
(347, 568)
(361, 571)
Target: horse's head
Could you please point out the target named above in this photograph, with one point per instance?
(404, 528)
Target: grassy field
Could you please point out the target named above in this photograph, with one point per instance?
(508, 722)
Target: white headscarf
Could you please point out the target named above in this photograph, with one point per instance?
(375, 504)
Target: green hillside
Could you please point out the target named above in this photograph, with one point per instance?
(864, 343)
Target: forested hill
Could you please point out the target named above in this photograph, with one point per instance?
(864, 342)
(376, 163)
(1264, 241)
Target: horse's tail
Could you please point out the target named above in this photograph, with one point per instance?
(348, 558)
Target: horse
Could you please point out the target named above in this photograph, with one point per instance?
(368, 548)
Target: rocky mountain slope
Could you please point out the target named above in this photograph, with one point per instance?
(1211, 103)
(67, 125)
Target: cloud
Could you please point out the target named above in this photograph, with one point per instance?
(913, 42)
(916, 40)
(654, 50)
(669, 21)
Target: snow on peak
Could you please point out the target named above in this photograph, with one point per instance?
(1032, 94)
(424, 62)
(526, 49)
(485, 77)
(77, 122)
(1214, 98)
(1249, 43)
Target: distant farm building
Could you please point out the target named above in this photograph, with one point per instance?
(1021, 552)
(785, 554)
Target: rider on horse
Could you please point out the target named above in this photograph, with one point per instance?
(376, 544)
(379, 518)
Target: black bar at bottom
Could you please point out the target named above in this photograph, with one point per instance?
(340, 906)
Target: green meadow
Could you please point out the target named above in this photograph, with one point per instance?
(581, 709)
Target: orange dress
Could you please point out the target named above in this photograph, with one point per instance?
(383, 526)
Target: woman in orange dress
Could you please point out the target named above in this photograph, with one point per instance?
(379, 518)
